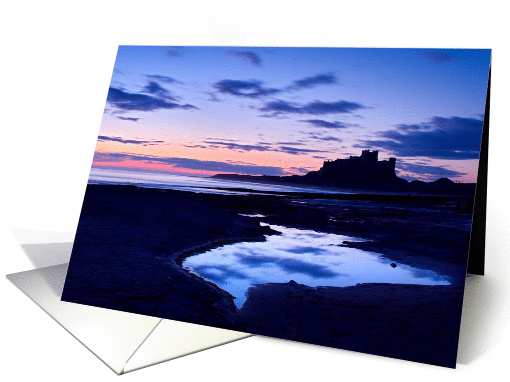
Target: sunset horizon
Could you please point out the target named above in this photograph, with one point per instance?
(284, 111)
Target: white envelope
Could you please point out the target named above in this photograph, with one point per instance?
(123, 341)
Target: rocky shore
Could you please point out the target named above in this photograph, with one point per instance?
(413, 322)
(125, 247)
(131, 241)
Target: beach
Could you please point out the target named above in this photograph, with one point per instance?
(131, 243)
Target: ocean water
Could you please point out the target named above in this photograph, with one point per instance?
(191, 183)
(308, 257)
(305, 256)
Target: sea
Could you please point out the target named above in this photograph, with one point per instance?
(201, 184)
(306, 256)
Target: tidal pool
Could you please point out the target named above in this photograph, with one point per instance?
(305, 256)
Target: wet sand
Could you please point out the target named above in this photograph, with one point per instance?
(412, 322)
(131, 241)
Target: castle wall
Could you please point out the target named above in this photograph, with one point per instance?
(364, 168)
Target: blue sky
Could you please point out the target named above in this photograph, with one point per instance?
(278, 111)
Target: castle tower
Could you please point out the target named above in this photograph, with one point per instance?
(368, 156)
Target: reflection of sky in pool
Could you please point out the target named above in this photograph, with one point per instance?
(307, 257)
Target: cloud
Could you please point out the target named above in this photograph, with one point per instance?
(437, 56)
(104, 138)
(142, 102)
(281, 147)
(255, 88)
(311, 82)
(175, 51)
(127, 118)
(191, 164)
(441, 138)
(291, 143)
(166, 79)
(426, 172)
(297, 151)
(326, 124)
(155, 88)
(108, 157)
(237, 146)
(324, 138)
(249, 89)
(212, 97)
(279, 107)
(251, 57)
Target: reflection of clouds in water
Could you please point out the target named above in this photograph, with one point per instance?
(305, 249)
(218, 272)
(305, 256)
(289, 265)
(255, 260)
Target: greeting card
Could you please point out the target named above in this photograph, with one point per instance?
(331, 196)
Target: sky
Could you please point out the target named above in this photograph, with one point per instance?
(282, 111)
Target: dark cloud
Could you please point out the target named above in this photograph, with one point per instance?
(325, 138)
(127, 118)
(191, 164)
(311, 82)
(166, 79)
(249, 89)
(297, 151)
(426, 172)
(256, 89)
(282, 147)
(141, 102)
(107, 157)
(279, 107)
(437, 56)
(223, 139)
(291, 143)
(251, 57)
(175, 51)
(326, 124)
(197, 146)
(237, 146)
(155, 88)
(442, 138)
(104, 138)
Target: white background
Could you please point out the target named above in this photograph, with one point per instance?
(55, 67)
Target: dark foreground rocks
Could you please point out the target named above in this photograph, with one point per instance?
(131, 241)
(125, 247)
(412, 322)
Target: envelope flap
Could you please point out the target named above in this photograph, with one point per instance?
(111, 335)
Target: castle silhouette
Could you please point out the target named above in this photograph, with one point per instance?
(364, 168)
(361, 172)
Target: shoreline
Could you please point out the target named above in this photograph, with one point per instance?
(131, 242)
(179, 258)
